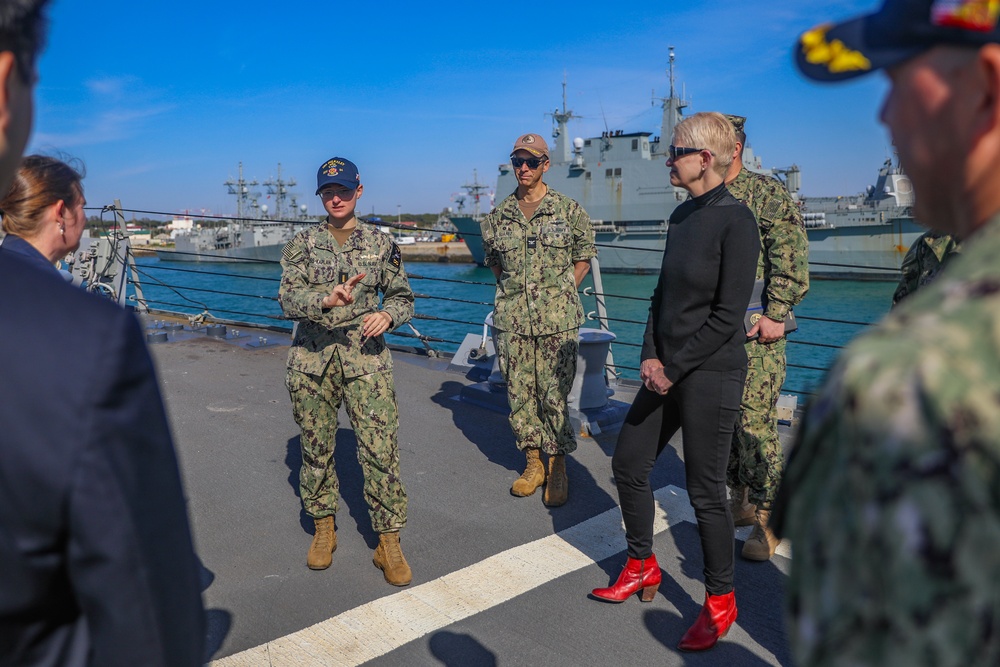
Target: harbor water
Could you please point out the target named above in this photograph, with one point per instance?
(454, 299)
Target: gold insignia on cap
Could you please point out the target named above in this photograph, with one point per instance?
(834, 54)
(332, 167)
(527, 139)
(978, 15)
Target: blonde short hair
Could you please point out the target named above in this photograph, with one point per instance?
(710, 130)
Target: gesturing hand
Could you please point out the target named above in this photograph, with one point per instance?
(341, 294)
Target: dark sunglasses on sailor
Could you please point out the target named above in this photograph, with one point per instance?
(532, 162)
(680, 151)
(344, 194)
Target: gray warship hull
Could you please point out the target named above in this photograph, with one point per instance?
(260, 241)
(861, 252)
(857, 252)
(842, 249)
(250, 235)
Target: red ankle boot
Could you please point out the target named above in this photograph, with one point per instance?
(712, 624)
(644, 574)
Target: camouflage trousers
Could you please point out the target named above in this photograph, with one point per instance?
(756, 460)
(370, 401)
(539, 371)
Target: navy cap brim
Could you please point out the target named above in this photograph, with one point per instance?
(347, 184)
(830, 53)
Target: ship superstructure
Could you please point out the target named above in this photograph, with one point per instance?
(621, 180)
(251, 234)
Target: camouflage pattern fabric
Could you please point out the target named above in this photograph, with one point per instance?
(925, 258)
(784, 259)
(539, 372)
(756, 457)
(537, 312)
(312, 265)
(328, 364)
(892, 495)
(371, 406)
(536, 292)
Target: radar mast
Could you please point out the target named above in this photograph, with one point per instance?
(560, 121)
(673, 107)
(246, 199)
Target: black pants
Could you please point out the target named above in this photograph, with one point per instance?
(704, 405)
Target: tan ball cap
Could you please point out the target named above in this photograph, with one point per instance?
(532, 143)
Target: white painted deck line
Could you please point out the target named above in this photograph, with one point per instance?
(378, 627)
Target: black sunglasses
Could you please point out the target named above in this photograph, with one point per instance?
(532, 162)
(680, 151)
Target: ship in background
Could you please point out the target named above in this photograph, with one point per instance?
(866, 236)
(620, 179)
(251, 235)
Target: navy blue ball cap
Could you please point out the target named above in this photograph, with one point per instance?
(899, 30)
(339, 171)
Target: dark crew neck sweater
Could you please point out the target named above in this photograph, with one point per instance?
(707, 275)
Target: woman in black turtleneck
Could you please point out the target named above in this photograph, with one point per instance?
(693, 367)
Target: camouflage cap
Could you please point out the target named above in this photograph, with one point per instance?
(899, 30)
(533, 143)
(736, 121)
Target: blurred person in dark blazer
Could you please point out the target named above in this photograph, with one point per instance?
(96, 561)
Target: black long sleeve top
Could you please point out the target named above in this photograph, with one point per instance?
(698, 306)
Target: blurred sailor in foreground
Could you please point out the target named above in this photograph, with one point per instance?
(892, 496)
(96, 561)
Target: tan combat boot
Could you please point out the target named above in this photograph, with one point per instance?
(744, 512)
(762, 541)
(557, 488)
(532, 477)
(323, 545)
(389, 559)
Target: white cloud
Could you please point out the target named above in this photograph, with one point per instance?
(107, 126)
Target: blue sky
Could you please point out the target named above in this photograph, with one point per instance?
(163, 100)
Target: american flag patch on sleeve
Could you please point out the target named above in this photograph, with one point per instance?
(290, 253)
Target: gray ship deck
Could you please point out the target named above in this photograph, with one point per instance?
(498, 580)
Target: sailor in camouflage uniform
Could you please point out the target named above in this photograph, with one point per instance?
(331, 278)
(891, 497)
(925, 258)
(756, 460)
(538, 243)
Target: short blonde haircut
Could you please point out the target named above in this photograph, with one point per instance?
(709, 130)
